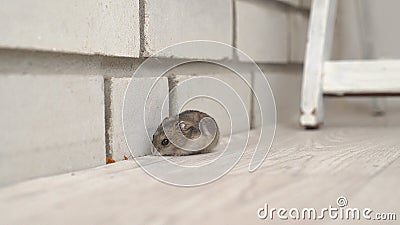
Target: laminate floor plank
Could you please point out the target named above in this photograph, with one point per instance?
(302, 169)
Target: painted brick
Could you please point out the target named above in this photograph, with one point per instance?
(50, 125)
(118, 145)
(90, 27)
(211, 107)
(382, 19)
(298, 36)
(296, 3)
(306, 4)
(169, 22)
(378, 31)
(262, 31)
(347, 35)
(285, 82)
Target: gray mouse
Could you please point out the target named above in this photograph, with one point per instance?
(190, 132)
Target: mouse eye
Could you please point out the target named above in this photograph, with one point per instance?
(165, 142)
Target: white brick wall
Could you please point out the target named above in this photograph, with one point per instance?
(298, 3)
(291, 2)
(347, 37)
(262, 31)
(380, 30)
(298, 28)
(169, 22)
(50, 124)
(54, 122)
(382, 17)
(89, 27)
(112, 28)
(136, 130)
(211, 107)
(285, 82)
(306, 3)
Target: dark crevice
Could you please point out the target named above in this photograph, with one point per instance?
(107, 115)
(142, 27)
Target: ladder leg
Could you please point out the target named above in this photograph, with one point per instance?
(320, 36)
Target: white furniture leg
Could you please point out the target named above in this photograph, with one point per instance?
(320, 35)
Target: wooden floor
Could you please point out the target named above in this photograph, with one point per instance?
(303, 169)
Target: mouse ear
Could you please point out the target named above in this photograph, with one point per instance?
(187, 129)
(182, 125)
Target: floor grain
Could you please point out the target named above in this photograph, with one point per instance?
(303, 169)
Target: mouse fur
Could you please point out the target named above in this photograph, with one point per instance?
(188, 124)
